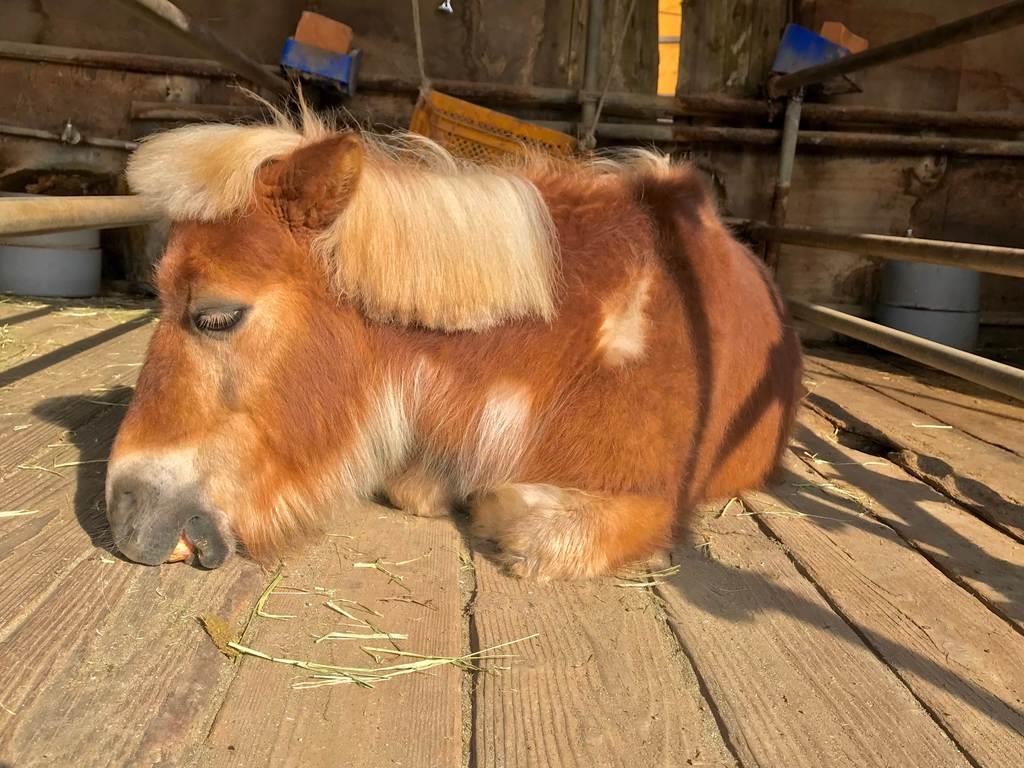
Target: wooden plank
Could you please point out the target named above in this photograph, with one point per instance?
(603, 684)
(113, 669)
(414, 720)
(959, 659)
(57, 401)
(65, 527)
(19, 376)
(62, 427)
(82, 631)
(974, 410)
(982, 477)
(792, 683)
(968, 550)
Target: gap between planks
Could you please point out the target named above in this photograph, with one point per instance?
(984, 415)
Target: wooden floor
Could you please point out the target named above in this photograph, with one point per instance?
(866, 610)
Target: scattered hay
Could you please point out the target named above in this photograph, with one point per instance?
(334, 607)
(648, 578)
(360, 622)
(234, 645)
(261, 603)
(813, 457)
(64, 464)
(408, 599)
(367, 677)
(424, 556)
(393, 578)
(931, 426)
(389, 636)
(17, 512)
(728, 504)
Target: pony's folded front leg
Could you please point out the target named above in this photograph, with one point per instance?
(547, 532)
(421, 491)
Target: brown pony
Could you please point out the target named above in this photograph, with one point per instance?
(576, 352)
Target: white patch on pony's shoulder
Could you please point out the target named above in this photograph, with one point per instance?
(491, 456)
(622, 337)
(383, 442)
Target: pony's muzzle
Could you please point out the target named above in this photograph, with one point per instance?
(148, 518)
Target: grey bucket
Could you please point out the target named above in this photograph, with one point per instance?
(933, 301)
(57, 264)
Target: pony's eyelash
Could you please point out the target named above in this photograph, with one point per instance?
(217, 321)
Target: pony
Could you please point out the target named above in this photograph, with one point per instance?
(576, 352)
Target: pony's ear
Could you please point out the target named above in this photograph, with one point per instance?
(311, 186)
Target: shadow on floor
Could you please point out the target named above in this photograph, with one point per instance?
(24, 317)
(91, 423)
(936, 539)
(969, 490)
(702, 578)
(67, 351)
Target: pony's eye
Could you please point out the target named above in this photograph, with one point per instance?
(217, 320)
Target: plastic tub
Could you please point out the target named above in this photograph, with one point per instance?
(57, 272)
(933, 301)
(56, 264)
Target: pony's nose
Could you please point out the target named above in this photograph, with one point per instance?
(147, 520)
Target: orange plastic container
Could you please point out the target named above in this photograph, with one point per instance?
(482, 135)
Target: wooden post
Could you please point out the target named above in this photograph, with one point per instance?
(728, 45)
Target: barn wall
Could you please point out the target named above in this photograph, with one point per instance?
(538, 42)
(727, 47)
(970, 199)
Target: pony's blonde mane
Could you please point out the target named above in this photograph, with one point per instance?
(424, 240)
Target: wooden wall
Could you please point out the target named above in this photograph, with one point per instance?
(970, 199)
(538, 42)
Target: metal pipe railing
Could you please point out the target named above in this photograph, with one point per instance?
(992, 259)
(959, 31)
(988, 373)
(784, 176)
(36, 216)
